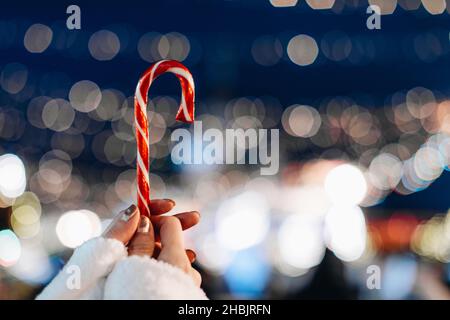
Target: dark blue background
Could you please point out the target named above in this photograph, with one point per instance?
(226, 30)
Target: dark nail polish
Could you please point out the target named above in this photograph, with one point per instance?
(144, 225)
(192, 256)
(128, 213)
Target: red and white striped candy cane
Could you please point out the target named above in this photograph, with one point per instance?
(185, 114)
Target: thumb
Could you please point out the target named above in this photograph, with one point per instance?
(143, 241)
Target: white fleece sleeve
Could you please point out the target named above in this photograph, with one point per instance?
(83, 277)
(144, 278)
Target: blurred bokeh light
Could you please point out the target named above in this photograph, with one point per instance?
(363, 118)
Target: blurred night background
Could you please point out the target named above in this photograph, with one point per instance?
(364, 120)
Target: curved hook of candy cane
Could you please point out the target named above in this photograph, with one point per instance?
(185, 113)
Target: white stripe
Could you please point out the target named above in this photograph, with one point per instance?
(188, 77)
(143, 201)
(138, 95)
(152, 73)
(139, 98)
(141, 131)
(138, 91)
(145, 175)
(185, 74)
(184, 107)
(144, 112)
(142, 166)
(143, 108)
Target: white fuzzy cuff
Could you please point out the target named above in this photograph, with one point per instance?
(83, 277)
(144, 278)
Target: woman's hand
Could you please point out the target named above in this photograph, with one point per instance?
(95, 260)
(171, 248)
(165, 243)
(156, 269)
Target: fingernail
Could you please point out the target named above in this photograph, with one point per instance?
(171, 201)
(191, 255)
(128, 213)
(197, 213)
(144, 225)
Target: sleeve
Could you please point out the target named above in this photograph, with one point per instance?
(83, 277)
(144, 278)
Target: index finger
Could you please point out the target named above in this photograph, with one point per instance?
(161, 206)
(187, 219)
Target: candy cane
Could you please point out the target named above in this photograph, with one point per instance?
(185, 114)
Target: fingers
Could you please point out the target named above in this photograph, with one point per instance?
(172, 244)
(187, 220)
(191, 255)
(124, 225)
(161, 206)
(172, 247)
(157, 250)
(171, 233)
(143, 242)
(196, 276)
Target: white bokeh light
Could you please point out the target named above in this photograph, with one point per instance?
(434, 6)
(304, 121)
(345, 232)
(284, 3)
(34, 265)
(75, 227)
(320, 4)
(10, 248)
(12, 176)
(242, 221)
(104, 45)
(385, 171)
(37, 38)
(300, 242)
(346, 185)
(85, 96)
(212, 255)
(303, 50)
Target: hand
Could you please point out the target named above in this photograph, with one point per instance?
(171, 248)
(124, 226)
(97, 257)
